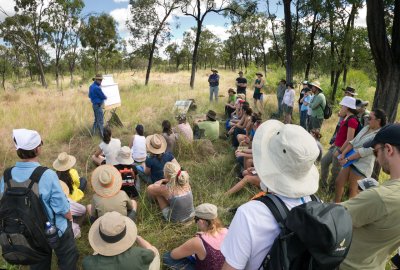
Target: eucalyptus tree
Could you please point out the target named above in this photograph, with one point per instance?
(149, 19)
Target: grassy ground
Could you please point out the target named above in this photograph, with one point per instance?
(65, 118)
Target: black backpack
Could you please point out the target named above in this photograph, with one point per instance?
(327, 110)
(22, 220)
(313, 235)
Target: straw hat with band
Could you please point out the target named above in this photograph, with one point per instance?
(214, 70)
(350, 90)
(156, 144)
(97, 77)
(124, 156)
(316, 84)
(106, 181)
(284, 157)
(259, 73)
(64, 162)
(212, 115)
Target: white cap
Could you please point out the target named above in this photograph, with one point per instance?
(349, 102)
(26, 139)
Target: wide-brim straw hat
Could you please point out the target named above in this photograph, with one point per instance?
(259, 73)
(64, 162)
(284, 157)
(125, 156)
(350, 90)
(64, 188)
(156, 144)
(214, 70)
(317, 84)
(106, 181)
(97, 77)
(112, 234)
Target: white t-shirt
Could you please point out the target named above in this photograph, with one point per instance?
(138, 149)
(252, 233)
(288, 98)
(111, 150)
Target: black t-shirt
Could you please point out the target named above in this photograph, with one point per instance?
(128, 173)
(241, 90)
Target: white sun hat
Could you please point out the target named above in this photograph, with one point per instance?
(284, 157)
(349, 102)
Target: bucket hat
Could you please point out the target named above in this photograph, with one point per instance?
(206, 211)
(124, 156)
(349, 102)
(284, 157)
(112, 234)
(64, 162)
(106, 181)
(156, 144)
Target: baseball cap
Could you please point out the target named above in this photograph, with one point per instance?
(26, 139)
(388, 134)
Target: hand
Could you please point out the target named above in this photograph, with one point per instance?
(336, 154)
(343, 161)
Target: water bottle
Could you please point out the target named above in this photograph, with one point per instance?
(51, 234)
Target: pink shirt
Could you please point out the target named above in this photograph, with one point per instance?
(215, 241)
(186, 130)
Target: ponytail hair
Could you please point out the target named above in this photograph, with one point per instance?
(176, 177)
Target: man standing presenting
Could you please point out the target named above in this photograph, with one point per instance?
(97, 98)
(375, 211)
(317, 105)
(241, 84)
(28, 144)
(214, 82)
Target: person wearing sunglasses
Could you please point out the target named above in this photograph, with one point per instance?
(203, 250)
(362, 160)
(375, 212)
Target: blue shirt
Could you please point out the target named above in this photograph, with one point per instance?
(306, 99)
(50, 192)
(96, 95)
(213, 79)
(157, 166)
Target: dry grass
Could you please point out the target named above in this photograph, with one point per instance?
(65, 118)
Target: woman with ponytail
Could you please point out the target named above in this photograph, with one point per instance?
(173, 194)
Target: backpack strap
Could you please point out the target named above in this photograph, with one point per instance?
(36, 175)
(314, 198)
(277, 207)
(7, 176)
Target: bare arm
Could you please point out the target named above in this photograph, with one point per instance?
(131, 142)
(190, 247)
(98, 152)
(144, 244)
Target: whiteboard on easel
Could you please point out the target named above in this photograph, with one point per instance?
(113, 100)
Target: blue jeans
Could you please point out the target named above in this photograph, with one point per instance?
(98, 124)
(303, 119)
(187, 263)
(82, 183)
(66, 251)
(214, 91)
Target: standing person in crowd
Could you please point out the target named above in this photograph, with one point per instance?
(326, 160)
(254, 228)
(375, 211)
(64, 168)
(208, 129)
(302, 92)
(28, 144)
(203, 251)
(280, 92)
(230, 105)
(108, 149)
(363, 113)
(241, 84)
(169, 135)
(257, 96)
(157, 146)
(112, 238)
(346, 131)
(128, 171)
(317, 105)
(138, 145)
(309, 111)
(108, 197)
(183, 128)
(362, 158)
(173, 194)
(213, 80)
(305, 102)
(288, 103)
(97, 98)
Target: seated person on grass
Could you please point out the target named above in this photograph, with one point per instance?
(138, 145)
(230, 105)
(250, 176)
(207, 129)
(183, 128)
(108, 149)
(173, 194)
(203, 250)
(108, 197)
(128, 171)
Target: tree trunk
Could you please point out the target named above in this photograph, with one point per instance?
(310, 50)
(150, 62)
(332, 45)
(41, 71)
(335, 85)
(288, 41)
(195, 52)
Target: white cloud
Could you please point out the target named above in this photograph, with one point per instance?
(220, 31)
(361, 19)
(120, 15)
(121, 1)
(6, 6)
